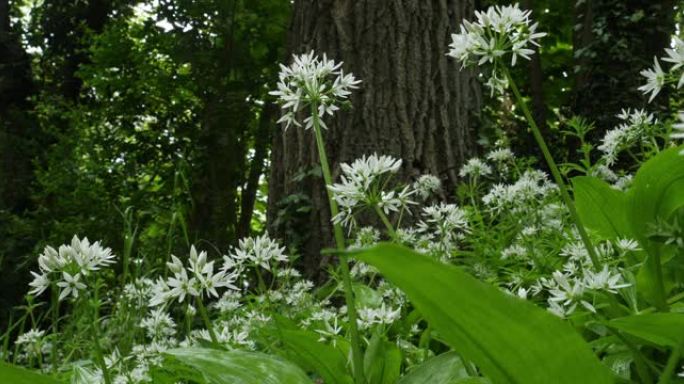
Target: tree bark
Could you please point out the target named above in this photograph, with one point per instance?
(414, 102)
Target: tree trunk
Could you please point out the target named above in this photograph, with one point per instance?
(414, 104)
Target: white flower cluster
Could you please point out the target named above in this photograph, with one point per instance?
(475, 168)
(69, 267)
(312, 82)
(442, 226)
(530, 189)
(427, 185)
(566, 290)
(656, 78)
(159, 325)
(32, 344)
(369, 316)
(260, 251)
(197, 280)
(361, 187)
(499, 31)
(634, 126)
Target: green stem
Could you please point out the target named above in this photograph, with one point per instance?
(385, 220)
(339, 241)
(666, 376)
(55, 321)
(205, 318)
(554, 171)
(96, 336)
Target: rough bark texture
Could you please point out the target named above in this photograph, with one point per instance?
(414, 102)
(614, 40)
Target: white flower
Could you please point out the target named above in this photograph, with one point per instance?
(197, 280)
(70, 285)
(500, 155)
(159, 324)
(655, 79)
(361, 186)
(679, 127)
(628, 245)
(40, 283)
(632, 129)
(257, 251)
(675, 55)
(604, 280)
(76, 260)
(474, 168)
(498, 31)
(308, 81)
(181, 286)
(426, 185)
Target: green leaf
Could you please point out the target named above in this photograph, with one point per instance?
(17, 375)
(656, 193)
(511, 340)
(664, 329)
(601, 208)
(214, 366)
(382, 361)
(325, 360)
(366, 296)
(446, 368)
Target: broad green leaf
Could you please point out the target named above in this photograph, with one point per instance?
(655, 195)
(237, 367)
(312, 355)
(656, 192)
(366, 296)
(17, 375)
(446, 368)
(511, 340)
(664, 329)
(382, 361)
(601, 208)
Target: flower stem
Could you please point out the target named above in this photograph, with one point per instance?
(554, 171)
(55, 321)
(205, 318)
(672, 361)
(385, 220)
(339, 241)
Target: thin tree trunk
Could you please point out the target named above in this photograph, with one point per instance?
(414, 103)
(248, 198)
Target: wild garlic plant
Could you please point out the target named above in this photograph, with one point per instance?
(497, 33)
(321, 85)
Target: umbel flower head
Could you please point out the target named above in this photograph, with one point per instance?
(69, 266)
(198, 279)
(361, 187)
(499, 31)
(309, 82)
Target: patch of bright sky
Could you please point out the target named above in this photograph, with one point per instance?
(147, 10)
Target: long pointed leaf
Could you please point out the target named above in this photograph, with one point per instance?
(237, 367)
(511, 340)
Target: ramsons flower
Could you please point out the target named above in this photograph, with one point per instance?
(259, 251)
(69, 267)
(196, 280)
(361, 186)
(655, 80)
(312, 82)
(500, 31)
